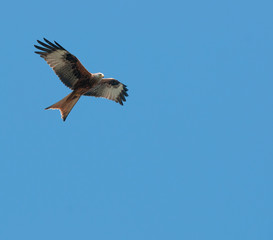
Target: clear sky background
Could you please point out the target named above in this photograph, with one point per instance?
(189, 155)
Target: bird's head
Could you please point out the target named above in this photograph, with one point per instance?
(98, 76)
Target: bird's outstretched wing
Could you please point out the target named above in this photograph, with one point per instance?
(111, 89)
(65, 65)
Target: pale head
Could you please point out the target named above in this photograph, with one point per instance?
(98, 76)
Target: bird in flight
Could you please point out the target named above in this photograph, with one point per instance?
(74, 75)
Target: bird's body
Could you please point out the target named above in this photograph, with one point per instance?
(74, 75)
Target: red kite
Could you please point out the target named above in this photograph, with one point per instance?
(74, 75)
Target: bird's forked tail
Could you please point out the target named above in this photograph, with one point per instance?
(66, 104)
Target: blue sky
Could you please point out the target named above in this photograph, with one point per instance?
(189, 155)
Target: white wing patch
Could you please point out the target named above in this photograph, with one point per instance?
(55, 59)
(112, 92)
(111, 89)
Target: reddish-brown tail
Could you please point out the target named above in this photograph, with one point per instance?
(66, 104)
